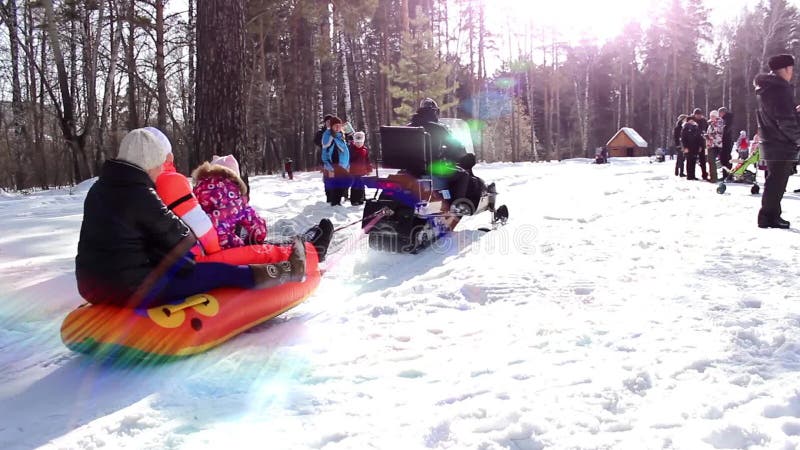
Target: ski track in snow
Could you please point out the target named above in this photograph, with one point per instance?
(621, 307)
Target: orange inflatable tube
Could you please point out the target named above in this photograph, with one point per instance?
(194, 325)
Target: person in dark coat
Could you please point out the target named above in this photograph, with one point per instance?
(287, 167)
(134, 252)
(702, 124)
(727, 137)
(676, 137)
(326, 123)
(779, 131)
(692, 142)
(451, 161)
(444, 144)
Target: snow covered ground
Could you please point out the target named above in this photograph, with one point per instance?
(621, 307)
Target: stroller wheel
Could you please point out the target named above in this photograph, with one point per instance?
(721, 188)
(755, 189)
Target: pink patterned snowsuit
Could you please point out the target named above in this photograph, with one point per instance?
(221, 194)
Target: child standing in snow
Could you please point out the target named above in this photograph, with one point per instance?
(359, 167)
(223, 196)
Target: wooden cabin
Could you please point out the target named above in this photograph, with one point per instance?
(626, 143)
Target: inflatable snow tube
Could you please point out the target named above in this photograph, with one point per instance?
(194, 325)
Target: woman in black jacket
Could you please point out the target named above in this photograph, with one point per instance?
(134, 252)
(676, 137)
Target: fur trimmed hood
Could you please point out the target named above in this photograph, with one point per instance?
(207, 169)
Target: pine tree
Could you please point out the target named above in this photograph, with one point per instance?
(420, 72)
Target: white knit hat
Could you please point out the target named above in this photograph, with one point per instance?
(359, 137)
(160, 136)
(144, 149)
(227, 161)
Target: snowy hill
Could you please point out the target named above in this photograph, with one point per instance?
(621, 307)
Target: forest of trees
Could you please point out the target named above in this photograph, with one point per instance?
(254, 77)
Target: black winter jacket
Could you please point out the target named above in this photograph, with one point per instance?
(703, 125)
(727, 133)
(444, 145)
(691, 137)
(126, 232)
(676, 133)
(778, 121)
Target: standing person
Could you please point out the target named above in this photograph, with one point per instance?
(359, 167)
(326, 124)
(779, 131)
(676, 136)
(713, 143)
(702, 124)
(134, 252)
(287, 167)
(692, 142)
(743, 145)
(335, 162)
(727, 137)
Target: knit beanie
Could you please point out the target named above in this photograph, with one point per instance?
(226, 161)
(142, 148)
(359, 137)
(780, 61)
(160, 136)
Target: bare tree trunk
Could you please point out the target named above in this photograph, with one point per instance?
(220, 127)
(91, 49)
(19, 142)
(194, 151)
(130, 62)
(326, 62)
(404, 18)
(161, 75)
(109, 99)
(34, 95)
(355, 84)
(66, 112)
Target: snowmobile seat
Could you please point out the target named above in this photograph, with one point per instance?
(407, 149)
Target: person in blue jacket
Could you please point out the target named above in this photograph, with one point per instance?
(335, 163)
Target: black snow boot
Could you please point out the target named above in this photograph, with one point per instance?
(765, 221)
(320, 236)
(293, 269)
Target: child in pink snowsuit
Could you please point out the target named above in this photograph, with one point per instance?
(223, 196)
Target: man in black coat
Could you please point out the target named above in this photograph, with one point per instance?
(676, 136)
(702, 124)
(692, 142)
(779, 129)
(727, 137)
(446, 148)
(444, 144)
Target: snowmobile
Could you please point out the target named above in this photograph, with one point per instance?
(405, 214)
(741, 174)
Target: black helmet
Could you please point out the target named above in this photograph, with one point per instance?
(428, 103)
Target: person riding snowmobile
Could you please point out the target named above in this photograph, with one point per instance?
(451, 160)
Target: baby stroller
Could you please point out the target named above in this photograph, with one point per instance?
(741, 174)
